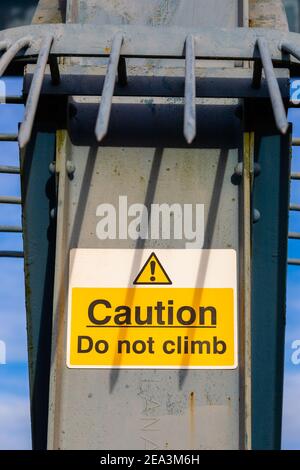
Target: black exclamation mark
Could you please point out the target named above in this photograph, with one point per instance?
(152, 269)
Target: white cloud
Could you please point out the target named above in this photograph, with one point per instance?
(12, 311)
(13, 333)
(291, 335)
(14, 422)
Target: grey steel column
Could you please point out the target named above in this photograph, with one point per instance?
(136, 409)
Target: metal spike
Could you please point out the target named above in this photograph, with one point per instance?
(34, 92)
(273, 87)
(189, 129)
(12, 51)
(108, 88)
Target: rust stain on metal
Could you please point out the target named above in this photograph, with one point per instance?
(192, 418)
(50, 11)
(267, 14)
(74, 12)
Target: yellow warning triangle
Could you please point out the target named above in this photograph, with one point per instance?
(152, 273)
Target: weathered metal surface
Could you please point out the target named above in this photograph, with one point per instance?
(50, 11)
(197, 13)
(267, 14)
(139, 41)
(137, 409)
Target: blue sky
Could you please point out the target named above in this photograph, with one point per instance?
(291, 409)
(14, 390)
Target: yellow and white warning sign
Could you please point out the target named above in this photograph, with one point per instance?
(152, 309)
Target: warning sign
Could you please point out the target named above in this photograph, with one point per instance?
(152, 273)
(145, 309)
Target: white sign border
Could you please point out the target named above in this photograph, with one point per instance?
(214, 278)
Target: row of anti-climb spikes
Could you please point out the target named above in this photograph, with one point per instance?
(190, 86)
(117, 64)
